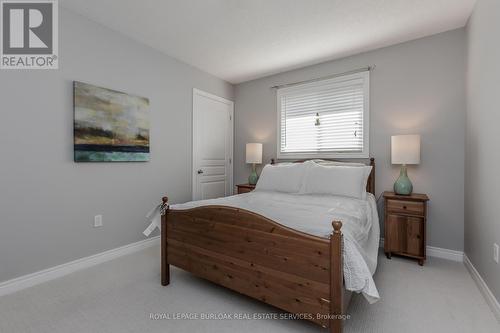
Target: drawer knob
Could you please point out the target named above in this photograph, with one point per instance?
(404, 207)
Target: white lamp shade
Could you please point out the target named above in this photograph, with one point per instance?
(254, 153)
(405, 149)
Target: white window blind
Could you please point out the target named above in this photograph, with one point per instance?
(326, 118)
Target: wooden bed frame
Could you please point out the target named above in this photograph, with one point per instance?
(255, 256)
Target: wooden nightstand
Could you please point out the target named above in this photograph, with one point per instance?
(405, 219)
(245, 188)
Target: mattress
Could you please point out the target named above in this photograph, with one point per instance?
(313, 214)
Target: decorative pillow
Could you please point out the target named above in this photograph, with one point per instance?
(348, 181)
(282, 178)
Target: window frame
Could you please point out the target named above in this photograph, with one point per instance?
(365, 153)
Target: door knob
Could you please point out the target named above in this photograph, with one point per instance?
(200, 172)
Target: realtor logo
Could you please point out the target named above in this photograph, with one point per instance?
(29, 36)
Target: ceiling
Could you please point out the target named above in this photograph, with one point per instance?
(241, 40)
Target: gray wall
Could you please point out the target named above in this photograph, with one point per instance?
(48, 202)
(482, 182)
(417, 87)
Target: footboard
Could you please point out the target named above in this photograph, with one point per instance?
(255, 256)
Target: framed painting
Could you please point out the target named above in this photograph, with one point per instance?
(109, 126)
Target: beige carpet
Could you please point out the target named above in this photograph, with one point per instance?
(120, 295)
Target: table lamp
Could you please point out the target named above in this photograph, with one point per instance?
(405, 149)
(254, 156)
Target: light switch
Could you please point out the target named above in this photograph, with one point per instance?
(97, 221)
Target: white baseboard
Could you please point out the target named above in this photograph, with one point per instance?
(483, 287)
(438, 252)
(32, 279)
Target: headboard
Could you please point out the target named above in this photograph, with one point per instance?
(370, 185)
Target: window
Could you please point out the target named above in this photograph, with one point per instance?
(328, 118)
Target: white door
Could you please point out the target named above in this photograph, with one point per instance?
(212, 146)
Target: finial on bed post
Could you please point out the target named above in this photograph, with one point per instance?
(164, 205)
(336, 226)
(372, 161)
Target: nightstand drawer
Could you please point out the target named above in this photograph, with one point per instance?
(410, 207)
(244, 190)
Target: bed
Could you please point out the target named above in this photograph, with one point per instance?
(256, 244)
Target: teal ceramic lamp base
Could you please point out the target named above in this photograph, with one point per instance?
(403, 185)
(253, 178)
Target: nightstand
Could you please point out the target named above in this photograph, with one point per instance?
(245, 188)
(405, 219)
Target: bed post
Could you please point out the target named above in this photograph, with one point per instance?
(336, 279)
(165, 267)
(372, 176)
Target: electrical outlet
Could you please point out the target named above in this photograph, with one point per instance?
(97, 221)
(495, 252)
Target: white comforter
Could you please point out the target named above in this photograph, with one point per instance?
(313, 214)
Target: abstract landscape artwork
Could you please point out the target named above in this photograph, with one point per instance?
(109, 126)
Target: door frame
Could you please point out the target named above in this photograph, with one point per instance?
(230, 139)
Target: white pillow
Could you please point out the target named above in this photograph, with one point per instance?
(348, 181)
(368, 169)
(282, 178)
